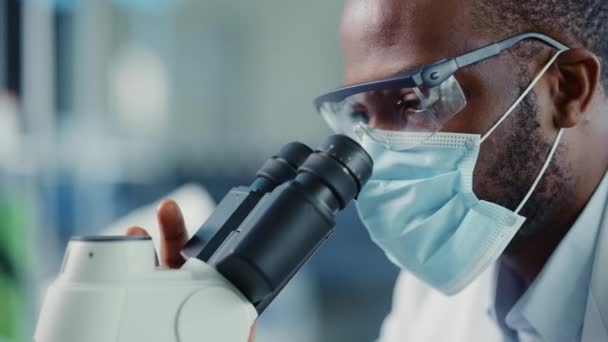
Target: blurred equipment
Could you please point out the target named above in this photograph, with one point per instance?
(12, 292)
(110, 290)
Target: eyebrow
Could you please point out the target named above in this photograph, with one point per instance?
(452, 51)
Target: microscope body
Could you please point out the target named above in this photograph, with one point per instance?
(110, 289)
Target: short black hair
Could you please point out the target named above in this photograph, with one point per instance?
(584, 22)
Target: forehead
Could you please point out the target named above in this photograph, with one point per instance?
(382, 37)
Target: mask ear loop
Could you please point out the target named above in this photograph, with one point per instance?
(542, 170)
(521, 97)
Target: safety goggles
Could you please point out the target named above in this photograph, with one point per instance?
(420, 101)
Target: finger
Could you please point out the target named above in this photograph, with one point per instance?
(173, 235)
(137, 231)
(252, 334)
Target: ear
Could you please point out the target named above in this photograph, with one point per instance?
(577, 82)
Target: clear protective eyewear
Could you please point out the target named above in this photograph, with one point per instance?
(419, 101)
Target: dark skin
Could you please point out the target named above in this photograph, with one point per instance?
(380, 38)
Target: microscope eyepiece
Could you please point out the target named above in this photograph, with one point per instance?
(342, 165)
(282, 167)
(350, 154)
(294, 154)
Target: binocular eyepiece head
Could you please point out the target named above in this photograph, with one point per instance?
(340, 167)
(264, 233)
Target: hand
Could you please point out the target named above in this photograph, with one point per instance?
(173, 237)
(173, 234)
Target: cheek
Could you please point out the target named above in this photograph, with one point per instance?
(476, 118)
(486, 180)
(512, 155)
(489, 94)
(510, 158)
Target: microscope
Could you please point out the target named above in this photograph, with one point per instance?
(110, 290)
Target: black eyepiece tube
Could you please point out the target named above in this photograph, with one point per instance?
(281, 167)
(289, 224)
(239, 201)
(342, 165)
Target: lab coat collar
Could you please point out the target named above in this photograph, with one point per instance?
(560, 282)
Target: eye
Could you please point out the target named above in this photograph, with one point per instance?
(359, 113)
(410, 103)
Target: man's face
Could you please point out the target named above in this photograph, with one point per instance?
(383, 37)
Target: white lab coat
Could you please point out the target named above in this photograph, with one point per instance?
(422, 314)
(596, 318)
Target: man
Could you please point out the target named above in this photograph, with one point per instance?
(527, 118)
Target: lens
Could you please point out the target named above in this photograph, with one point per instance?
(418, 110)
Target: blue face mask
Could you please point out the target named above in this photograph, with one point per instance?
(419, 205)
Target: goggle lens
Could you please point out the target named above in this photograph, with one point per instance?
(421, 110)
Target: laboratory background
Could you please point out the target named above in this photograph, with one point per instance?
(107, 107)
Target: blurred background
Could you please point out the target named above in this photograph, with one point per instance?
(109, 106)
